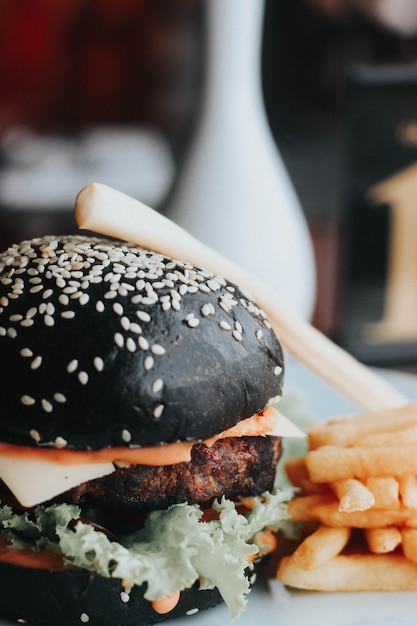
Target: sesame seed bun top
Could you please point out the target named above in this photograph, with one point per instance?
(106, 344)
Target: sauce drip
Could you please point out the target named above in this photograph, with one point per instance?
(165, 605)
(259, 424)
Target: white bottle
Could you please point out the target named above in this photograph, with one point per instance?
(234, 193)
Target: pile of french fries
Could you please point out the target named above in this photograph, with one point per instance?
(356, 502)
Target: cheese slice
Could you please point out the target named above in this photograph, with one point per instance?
(33, 482)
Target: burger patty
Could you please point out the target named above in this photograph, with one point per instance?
(232, 466)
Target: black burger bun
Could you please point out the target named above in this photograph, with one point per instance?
(106, 344)
(76, 597)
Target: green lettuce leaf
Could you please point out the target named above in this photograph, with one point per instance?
(172, 551)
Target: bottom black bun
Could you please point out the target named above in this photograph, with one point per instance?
(41, 597)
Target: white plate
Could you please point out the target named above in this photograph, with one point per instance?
(273, 605)
(270, 603)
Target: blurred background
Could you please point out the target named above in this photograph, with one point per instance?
(112, 90)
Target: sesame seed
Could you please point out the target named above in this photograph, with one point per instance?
(26, 352)
(258, 334)
(135, 328)
(130, 344)
(193, 322)
(213, 284)
(35, 435)
(47, 294)
(149, 300)
(99, 306)
(63, 299)
(12, 333)
(124, 597)
(83, 377)
(36, 289)
(157, 349)
(72, 366)
(224, 325)
(27, 400)
(59, 397)
(277, 370)
(68, 315)
(158, 410)
(16, 318)
(225, 306)
(84, 298)
(117, 308)
(98, 363)
(126, 436)
(205, 310)
(3, 331)
(192, 611)
(60, 442)
(125, 323)
(236, 334)
(143, 343)
(157, 385)
(46, 405)
(148, 363)
(119, 340)
(36, 363)
(48, 320)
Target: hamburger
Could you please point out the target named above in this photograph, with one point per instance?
(138, 435)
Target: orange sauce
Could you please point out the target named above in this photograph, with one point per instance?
(46, 559)
(164, 454)
(165, 605)
(268, 542)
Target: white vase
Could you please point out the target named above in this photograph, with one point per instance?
(233, 192)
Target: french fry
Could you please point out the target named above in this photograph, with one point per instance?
(408, 490)
(409, 543)
(322, 545)
(330, 515)
(353, 495)
(331, 463)
(299, 508)
(385, 490)
(296, 470)
(298, 475)
(344, 431)
(354, 572)
(365, 538)
(403, 437)
(383, 540)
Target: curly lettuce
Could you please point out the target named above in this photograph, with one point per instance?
(173, 550)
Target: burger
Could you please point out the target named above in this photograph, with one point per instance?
(139, 437)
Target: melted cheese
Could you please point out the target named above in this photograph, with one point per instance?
(35, 475)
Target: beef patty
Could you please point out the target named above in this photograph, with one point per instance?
(231, 467)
